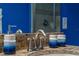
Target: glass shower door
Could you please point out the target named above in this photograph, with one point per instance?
(46, 16)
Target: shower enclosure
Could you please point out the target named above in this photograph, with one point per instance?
(45, 16)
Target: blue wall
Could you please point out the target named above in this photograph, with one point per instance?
(71, 11)
(20, 15)
(16, 14)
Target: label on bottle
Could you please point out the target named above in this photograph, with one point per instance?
(9, 42)
(52, 37)
(9, 37)
(61, 38)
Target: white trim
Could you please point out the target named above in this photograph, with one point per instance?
(0, 20)
(31, 18)
(32, 14)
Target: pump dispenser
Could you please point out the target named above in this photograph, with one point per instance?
(61, 39)
(9, 44)
(52, 40)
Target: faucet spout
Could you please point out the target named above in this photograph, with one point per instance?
(42, 31)
(38, 41)
(40, 38)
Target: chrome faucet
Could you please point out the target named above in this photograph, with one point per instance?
(41, 38)
(30, 47)
(35, 47)
(41, 42)
(29, 44)
(42, 31)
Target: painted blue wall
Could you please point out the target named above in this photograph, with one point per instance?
(20, 15)
(16, 14)
(71, 11)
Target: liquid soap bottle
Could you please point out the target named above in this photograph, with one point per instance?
(9, 44)
(9, 41)
(61, 39)
(52, 41)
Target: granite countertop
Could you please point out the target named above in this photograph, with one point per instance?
(74, 50)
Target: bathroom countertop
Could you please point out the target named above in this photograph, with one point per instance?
(74, 50)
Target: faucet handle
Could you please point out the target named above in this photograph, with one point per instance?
(29, 44)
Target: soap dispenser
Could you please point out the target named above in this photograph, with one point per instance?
(52, 40)
(9, 41)
(61, 39)
(9, 44)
